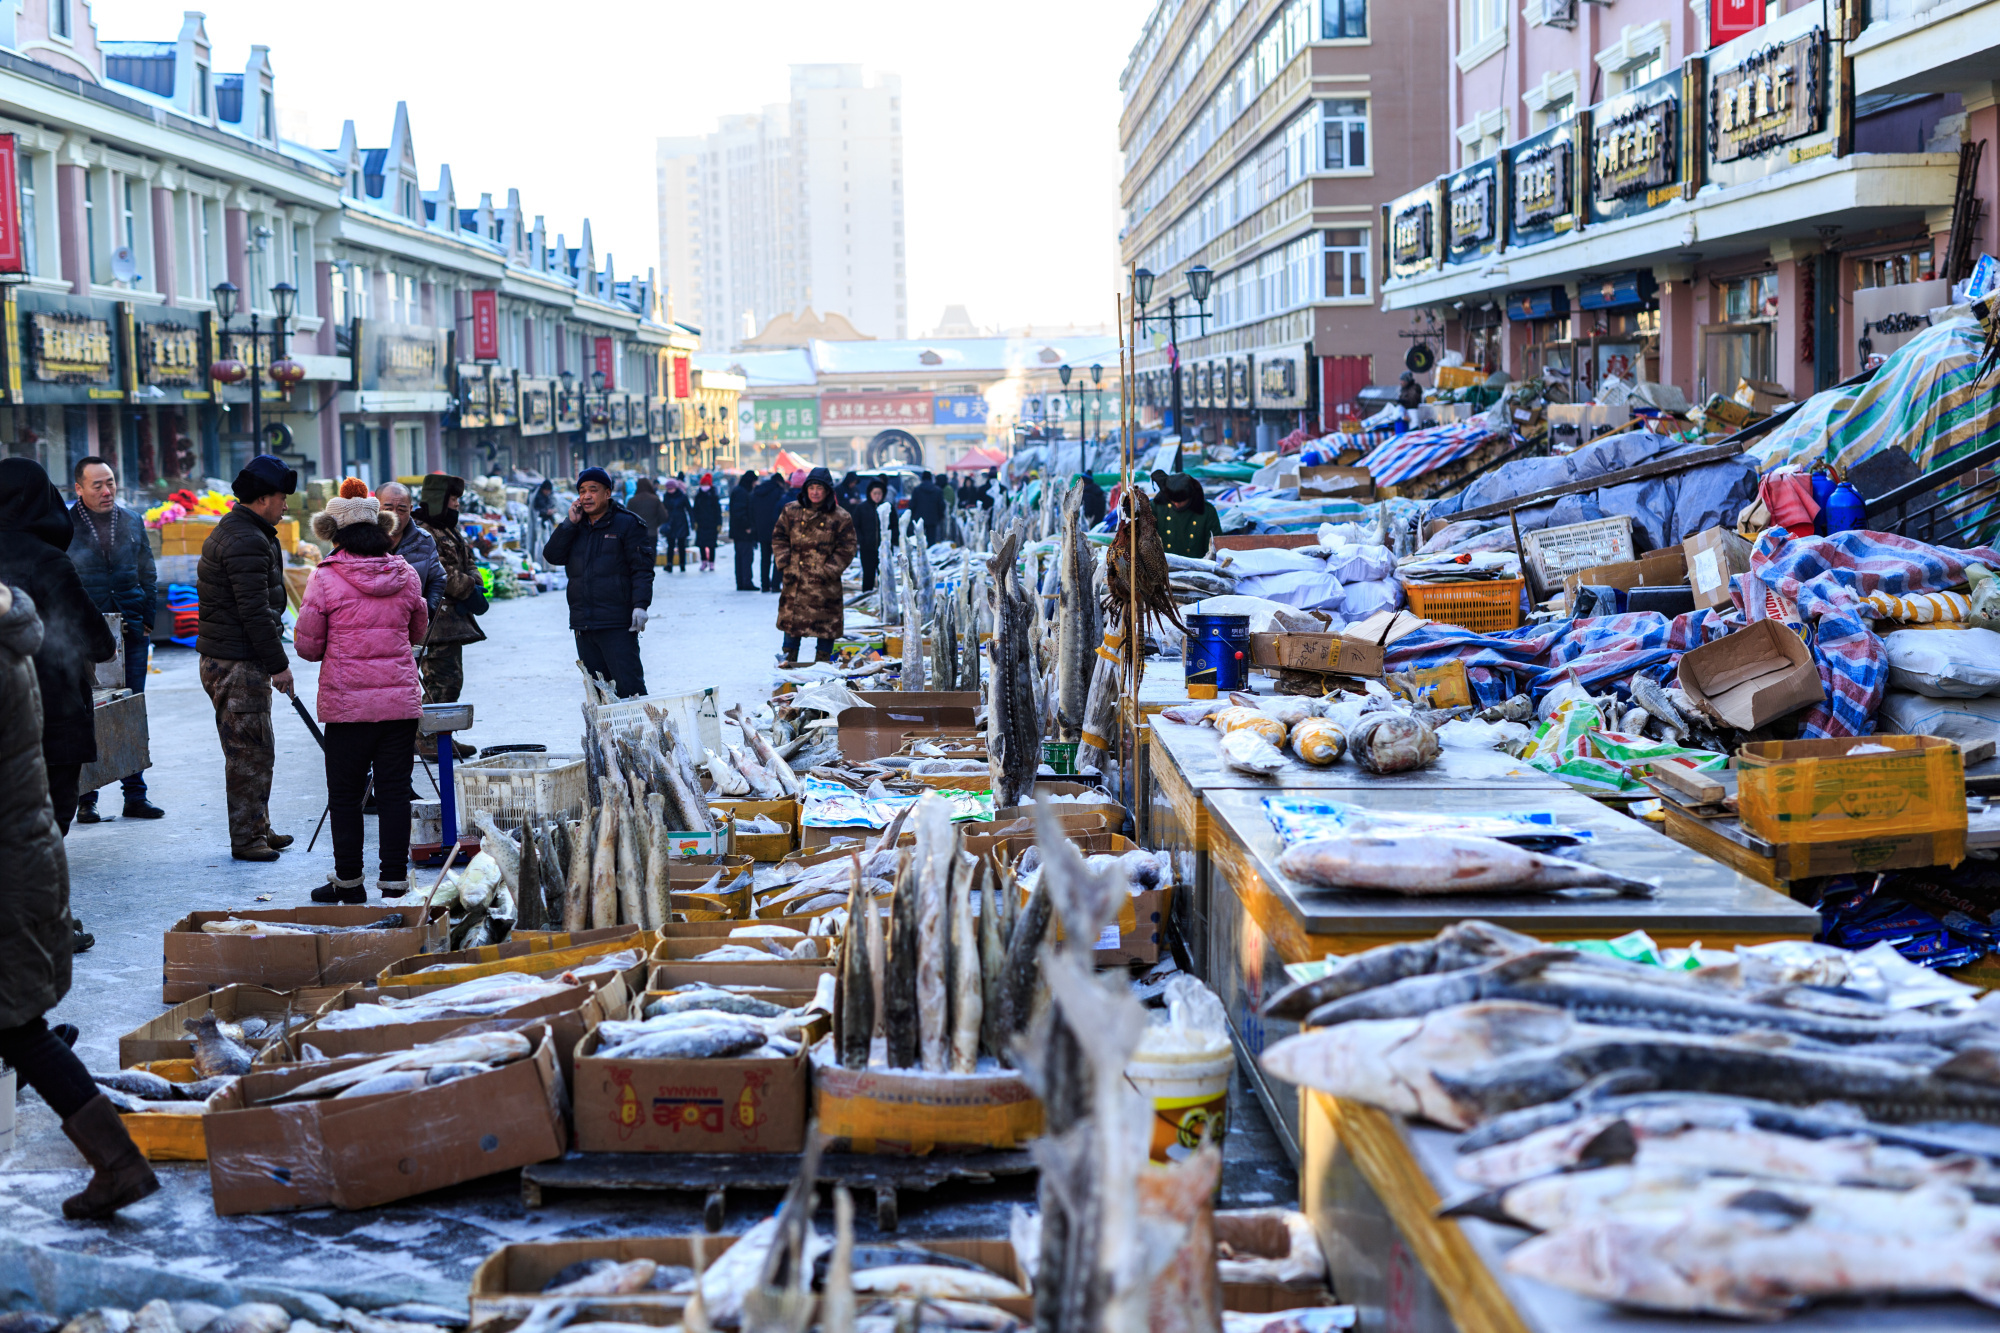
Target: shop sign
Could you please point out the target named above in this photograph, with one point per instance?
(500, 397)
(1771, 98)
(486, 326)
(1413, 232)
(1541, 176)
(473, 402)
(406, 357)
(259, 349)
(596, 417)
(656, 420)
(620, 425)
(170, 356)
(1537, 303)
(568, 406)
(1239, 381)
(604, 358)
(1472, 224)
(785, 420)
(1280, 379)
(70, 349)
(875, 409)
(1635, 150)
(1616, 291)
(13, 249)
(959, 409)
(1730, 19)
(681, 389)
(537, 407)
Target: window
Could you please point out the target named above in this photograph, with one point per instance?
(1558, 111)
(1343, 19)
(59, 19)
(1891, 270)
(1742, 300)
(90, 219)
(1346, 264)
(301, 276)
(127, 229)
(1642, 71)
(26, 172)
(1346, 134)
(201, 91)
(211, 242)
(270, 119)
(1481, 22)
(336, 282)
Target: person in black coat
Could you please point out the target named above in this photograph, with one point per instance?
(678, 518)
(609, 558)
(927, 508)
(706, 508)
(743, 530)
(1093, 500)
(646, 506)
(868, 530)
(115, 562)
(35, 533)
(766, 503)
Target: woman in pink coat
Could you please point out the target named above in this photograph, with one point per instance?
(363, 610)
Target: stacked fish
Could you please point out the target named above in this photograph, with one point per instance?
(1725, 1140)
(1013, 716)
(480, 997)
(714, 1023)
(426, 1066)
(235, 925)
(221, 1056)
(1381, 734)
(162, 1316)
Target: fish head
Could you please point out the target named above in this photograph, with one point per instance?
(1466, 1035)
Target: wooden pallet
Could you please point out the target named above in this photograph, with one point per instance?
(713, 1174)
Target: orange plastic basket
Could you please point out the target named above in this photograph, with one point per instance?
(1480, 607)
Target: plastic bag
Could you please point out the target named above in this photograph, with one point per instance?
(1907, 713)
(1361, 600)
(1194, 1023)
(1944, 663)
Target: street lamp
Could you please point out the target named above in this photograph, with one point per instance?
(1199, 280)
(284, 300)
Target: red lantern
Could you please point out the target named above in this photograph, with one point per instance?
(287, 374)
(229, 371)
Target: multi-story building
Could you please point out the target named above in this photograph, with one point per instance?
(1697, 196)
(158, 240)
(799, 204)
(1259, 136)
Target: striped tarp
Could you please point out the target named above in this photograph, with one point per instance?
(1427, 450)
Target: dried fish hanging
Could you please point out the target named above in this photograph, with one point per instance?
(1079, 628)
(888, 585)
(1013, 717)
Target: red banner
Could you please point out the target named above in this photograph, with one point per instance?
(875, 409)
(1732, 18)
(486, 326)
(607, 363)
(682, 387)
(13, 253)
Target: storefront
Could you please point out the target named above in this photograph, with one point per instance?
(390, 421)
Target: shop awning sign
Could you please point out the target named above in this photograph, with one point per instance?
(1772, 97)
(959, 409)
(486, 325)
(1472, 196)
(69, 348)
(170, 355)
(1541, 183)
(876, 409)
(1635, 150)
(1413, 246)
(785, 420)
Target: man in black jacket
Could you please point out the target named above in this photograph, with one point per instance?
(868, 530)
(109, 549)
(743, 531)
(241, 581)
(927, 508)
(765, 502)
(609, 559)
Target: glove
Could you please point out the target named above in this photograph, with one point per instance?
(638, 620)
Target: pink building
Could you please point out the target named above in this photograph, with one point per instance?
(1653, 190)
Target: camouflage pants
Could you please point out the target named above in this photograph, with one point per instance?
(241, 693)
(443, 670)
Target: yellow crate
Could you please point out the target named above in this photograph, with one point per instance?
(1459, 377)
(1482, 608)
(168, 1138)
(1816, 792)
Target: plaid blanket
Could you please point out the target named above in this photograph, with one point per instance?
(1427, 450)
(1830, 579)
(1599, 653)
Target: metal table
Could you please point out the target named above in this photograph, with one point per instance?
(1260, 920)
(1186, 764)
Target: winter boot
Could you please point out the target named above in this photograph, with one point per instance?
(256, 850)
(277, 842)
(122, 1175)
(138, 807)
(392, 888)
(337, 890)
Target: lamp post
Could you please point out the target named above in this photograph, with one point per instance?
(284, 298)
(1199, 279)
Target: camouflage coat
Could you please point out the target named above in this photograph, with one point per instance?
(812, 548)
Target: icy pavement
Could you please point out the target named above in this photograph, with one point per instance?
(131, 881)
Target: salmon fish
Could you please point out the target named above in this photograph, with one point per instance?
(1434, 864)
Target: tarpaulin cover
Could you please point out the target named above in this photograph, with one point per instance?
(1423, 451)
(1664, 510)
(1927, 397)
(1600, 653)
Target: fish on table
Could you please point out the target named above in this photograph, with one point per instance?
(1440, 864)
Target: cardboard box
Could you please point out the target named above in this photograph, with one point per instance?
(906, 1111)
(1109, 807)
(542, 953)
(1662, 569)
(1352, 483)
(737, 1105)
(686, 949)
(762, 846)
(196, 962)
(672, 974)
(1713, 556)
(361, 1152)
(165, 1037)
(1335, 653)
(508, 1282)
(1801, 794)
(870, 733)
(1443, 686)
(1762, 397)
(1754, 676)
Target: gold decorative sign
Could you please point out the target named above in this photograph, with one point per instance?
(71, 349)
(1634, 152)
(1472, 211)
(170, 355)
(1542, 184)
(409, 358)
(1410, 234)
(1769, 99)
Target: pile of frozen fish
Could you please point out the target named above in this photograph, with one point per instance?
(480, 997)
(1379, 732)
(235, 925)
(1731, 1133)
(220, 1057)
(425, 1066)
(714, 1023)
(162, 1316)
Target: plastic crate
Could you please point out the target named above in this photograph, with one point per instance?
(1552, 553)
(515, 787)
(1480, 607)
(696, 716)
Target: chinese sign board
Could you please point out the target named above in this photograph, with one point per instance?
(70, 349)
(1542, 179)
(786, 420)
(13, 248)
(606, 361)
(875, 410)
(1413, 232)
(1730, 19)
(1771, 98)
(486, 326)
(402, 357)
(959, 409)
(1635, 150)
(1473, 222)
(170, 355)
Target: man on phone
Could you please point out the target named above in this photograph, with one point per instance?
(608, 555)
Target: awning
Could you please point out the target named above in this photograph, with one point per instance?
(788, 462)
(977, 459)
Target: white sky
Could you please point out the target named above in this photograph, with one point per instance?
(1010, 114)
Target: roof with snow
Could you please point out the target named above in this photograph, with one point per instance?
(936, 355)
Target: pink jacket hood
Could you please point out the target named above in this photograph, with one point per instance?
(360, 616)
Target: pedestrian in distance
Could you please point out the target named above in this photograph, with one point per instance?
(241, 583)
(868, 530)
(927, 508)
(676, 524)
(610, 565)
(1093, 500)
(455, 623)
(743, 530)
(543, 510)
(413, 542)
(814, 542)
(647, 507)
(1188, 523)
(768, 502)
(36, 930)
(707, 513)
(363, 611)
(108, 546)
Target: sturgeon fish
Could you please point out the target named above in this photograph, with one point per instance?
(1435, 864)
(1460, 945)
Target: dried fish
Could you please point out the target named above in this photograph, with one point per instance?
(727, 780)
(1424, 865)
(604, 867)
(1013, 723)
(579, 888)
(216, 1054)
(968, 997)
(899, 992)
(857, 984)
(936, 851)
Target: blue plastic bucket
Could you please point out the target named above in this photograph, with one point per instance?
(1216, 654)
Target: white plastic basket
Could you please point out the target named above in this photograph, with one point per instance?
(515, 787)
(696, 716)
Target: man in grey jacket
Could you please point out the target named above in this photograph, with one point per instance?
(115, 563)
(410, 541)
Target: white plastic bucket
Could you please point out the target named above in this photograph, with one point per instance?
(1189, 1092)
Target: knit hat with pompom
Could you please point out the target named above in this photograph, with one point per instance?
(353, 505)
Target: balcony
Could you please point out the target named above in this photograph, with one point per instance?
(1911, 46)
